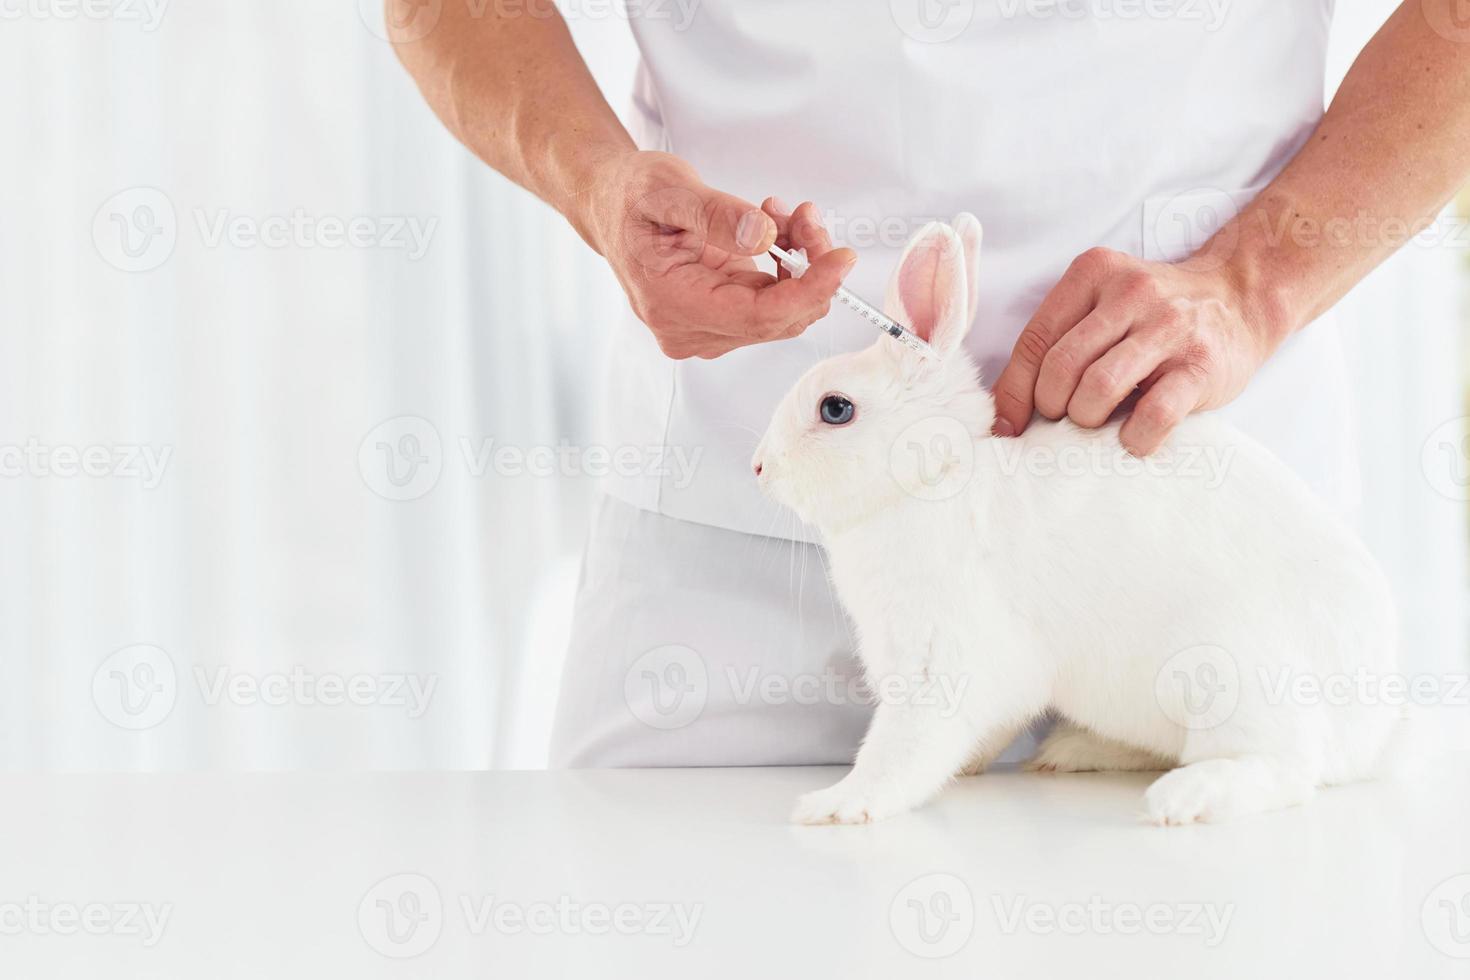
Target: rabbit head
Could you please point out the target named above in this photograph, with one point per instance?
(832, 451)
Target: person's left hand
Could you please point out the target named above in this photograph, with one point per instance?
(1186, 336)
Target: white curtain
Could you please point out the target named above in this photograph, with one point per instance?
(250, 292)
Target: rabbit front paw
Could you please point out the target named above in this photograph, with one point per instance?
(843, 804)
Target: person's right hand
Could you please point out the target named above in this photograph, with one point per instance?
(684, 253)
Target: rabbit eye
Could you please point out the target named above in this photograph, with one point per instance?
(836, 410)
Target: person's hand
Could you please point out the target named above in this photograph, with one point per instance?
(684, 253)
(1184, 335)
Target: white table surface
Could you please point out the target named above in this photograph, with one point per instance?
(290, 875)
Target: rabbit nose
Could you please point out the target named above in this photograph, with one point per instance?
(757, 467)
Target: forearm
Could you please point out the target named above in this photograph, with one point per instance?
(1390, 153)
(508, 82)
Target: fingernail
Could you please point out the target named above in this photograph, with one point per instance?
(781, 206)
(1004, 429)
(847, 266)
(752, 230)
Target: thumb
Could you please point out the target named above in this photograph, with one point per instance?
(734, 225)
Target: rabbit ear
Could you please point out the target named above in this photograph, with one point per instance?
(967, 226)
(929, 293)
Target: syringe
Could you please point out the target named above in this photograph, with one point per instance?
(796, 265)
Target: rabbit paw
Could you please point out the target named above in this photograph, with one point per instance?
(842, 804)
(1217, 789)
(1195, 794)
(1076, 750)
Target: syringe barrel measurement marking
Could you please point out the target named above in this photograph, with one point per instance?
(796, 265)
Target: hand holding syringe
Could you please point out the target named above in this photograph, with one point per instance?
(796, 265)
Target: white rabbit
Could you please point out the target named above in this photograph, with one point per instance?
(1166, 610)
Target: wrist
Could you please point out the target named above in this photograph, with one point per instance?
(1265, 304)
(1255, 277)
(588, 188)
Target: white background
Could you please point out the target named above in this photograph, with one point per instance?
(267, 547)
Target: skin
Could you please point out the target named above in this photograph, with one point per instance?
(1182, 337)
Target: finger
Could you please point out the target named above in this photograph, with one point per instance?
(734, 226)
(768, 313)
(1071, 356)
(1166, 404)
(809, 232)
(1069, 301)
(1112, 378)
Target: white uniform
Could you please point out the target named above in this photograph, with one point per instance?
(1139, 125)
